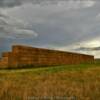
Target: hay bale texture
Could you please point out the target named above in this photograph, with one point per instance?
(24, 55)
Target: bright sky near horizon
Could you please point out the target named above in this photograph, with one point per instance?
(69, 25)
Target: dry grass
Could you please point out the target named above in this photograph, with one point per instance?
(27, 84)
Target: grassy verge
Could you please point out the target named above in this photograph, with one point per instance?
(52, 69)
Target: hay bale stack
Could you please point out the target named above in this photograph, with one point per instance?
(24, 55)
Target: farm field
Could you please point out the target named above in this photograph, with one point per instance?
(68, 82)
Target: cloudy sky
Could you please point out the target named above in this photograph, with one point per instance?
(69, 25)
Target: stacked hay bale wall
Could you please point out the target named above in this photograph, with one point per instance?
(23, 55)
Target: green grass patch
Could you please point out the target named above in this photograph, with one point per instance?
(51, 69)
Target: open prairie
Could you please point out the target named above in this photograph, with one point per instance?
(70, 82)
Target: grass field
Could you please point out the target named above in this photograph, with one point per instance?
(70, 82)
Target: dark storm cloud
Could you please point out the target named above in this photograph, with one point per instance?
(10, 3)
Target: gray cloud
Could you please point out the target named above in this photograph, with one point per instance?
(88, 49)
(59, 23)
(13, 3)
(11, 27)
(10, 3)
